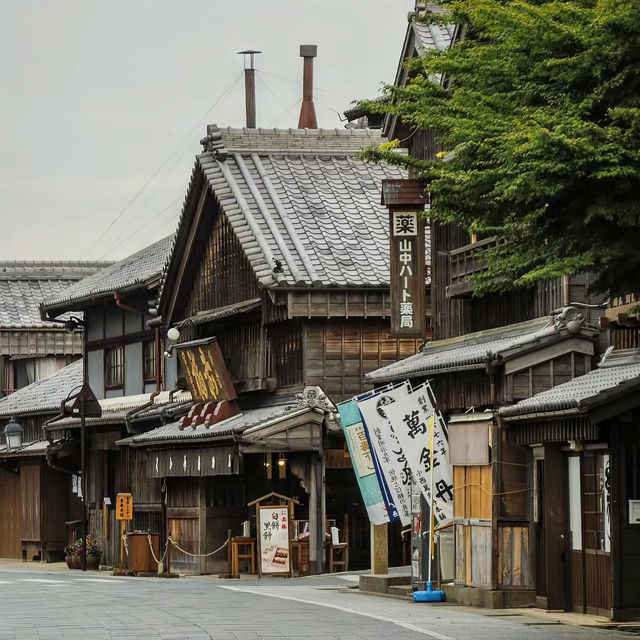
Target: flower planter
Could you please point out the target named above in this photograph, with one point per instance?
(76, 561)
(69, 560)
(93, 562)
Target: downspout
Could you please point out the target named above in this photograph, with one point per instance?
(132, 412)
(122, 305)
(159, 360)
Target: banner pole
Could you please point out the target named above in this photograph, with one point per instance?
(431, 498)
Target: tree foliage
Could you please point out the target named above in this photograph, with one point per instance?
(539, 121)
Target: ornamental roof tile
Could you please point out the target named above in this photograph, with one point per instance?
(137, 271)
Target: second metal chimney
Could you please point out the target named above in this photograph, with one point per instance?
(308, 118)
(250, 85)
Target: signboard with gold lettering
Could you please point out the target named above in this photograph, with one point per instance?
(206, 371)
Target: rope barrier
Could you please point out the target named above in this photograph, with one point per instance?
(126, 546)
(197, 555)
(164, 555)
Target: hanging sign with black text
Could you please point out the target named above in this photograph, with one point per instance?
(406, 235)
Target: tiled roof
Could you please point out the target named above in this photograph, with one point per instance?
(24, 285)
(36, 448)
(465, 352)
(430, 36)
(116, 410)
(305, 208)
(138, 270)
(234, 425)
(43, 396)
(619, 374)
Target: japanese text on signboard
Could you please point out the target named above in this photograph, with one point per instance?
(410, 416)
(407, 273)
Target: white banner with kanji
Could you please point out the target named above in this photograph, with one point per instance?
(389, 453)
(409, 418)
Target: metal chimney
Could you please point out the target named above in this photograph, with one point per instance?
(308, 118)
(250, 85)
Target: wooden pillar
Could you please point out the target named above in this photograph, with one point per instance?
(316, 514)
(555, 527)
(379, 549)
(202, 522)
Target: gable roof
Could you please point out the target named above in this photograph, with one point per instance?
(25, 284)
(618, 375)
(421, 37)
(140, 270)
(304, 207)
(43, 396)
(471, 351)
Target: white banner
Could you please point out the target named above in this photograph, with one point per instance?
(409, 416)
(391, 458)
(273, 530)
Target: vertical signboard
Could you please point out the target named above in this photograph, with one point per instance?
(406, 235)
(274, 532)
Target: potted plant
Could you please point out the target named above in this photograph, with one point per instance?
(76, 559)
(69, 550)
(94, 551)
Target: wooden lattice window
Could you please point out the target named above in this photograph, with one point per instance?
(114, 367)
(150, 361)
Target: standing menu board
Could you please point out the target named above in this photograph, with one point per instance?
(274, 539)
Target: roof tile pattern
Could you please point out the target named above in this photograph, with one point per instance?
(236, 424)
(43, 396)
(573, 394)
(24, 285)
(466, 351)
(137, 270)
(305, 208)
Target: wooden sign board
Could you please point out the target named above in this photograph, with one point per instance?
(406, 235)
(274, 535)
(124, 506)
(206, 372)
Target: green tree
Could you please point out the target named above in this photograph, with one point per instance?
(539, 120)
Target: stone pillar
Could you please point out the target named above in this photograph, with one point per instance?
(379, 549)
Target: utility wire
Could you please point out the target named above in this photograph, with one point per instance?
(157, 171)
(142, 226)
(298, 82)
(286, 112)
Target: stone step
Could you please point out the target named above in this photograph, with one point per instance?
(402, 590)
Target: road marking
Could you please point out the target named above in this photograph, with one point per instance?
(5, 582)
(399, 623)
(43, 580)
(109, 580)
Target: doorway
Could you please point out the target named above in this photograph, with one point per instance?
(589, 532)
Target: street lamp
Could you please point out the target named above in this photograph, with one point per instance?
(13, 435)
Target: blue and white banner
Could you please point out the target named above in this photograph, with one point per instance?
(409, 417)
(388, 451)
(362, 459)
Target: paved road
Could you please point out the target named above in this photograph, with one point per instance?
(71, 605)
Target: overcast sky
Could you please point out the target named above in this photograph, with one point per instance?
(100, 96)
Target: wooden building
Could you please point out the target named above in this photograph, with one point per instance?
(127, 374)
(581, 445)
(281, 254)
(32, 348)
(35, 498)
(500, 350)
